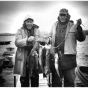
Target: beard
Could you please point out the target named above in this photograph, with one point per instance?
(66, 21)
(63, 22)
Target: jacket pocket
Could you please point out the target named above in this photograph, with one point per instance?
(19, 55)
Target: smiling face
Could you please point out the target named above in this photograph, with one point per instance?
(62, 17)
(29, 24)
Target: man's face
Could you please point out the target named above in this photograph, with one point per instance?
(29, 23)
(62, 17)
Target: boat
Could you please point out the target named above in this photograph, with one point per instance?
(82, 74)
(1, 54)
(9, 56)
(1, 63)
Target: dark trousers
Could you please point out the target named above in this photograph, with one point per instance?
(56, 82)
(69, 78)
(25, 80)
(35, 81)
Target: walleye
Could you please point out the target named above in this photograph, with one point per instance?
(56, 63)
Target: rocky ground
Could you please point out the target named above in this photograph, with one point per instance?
(7, 78)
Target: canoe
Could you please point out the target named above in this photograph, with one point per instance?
(82, 74)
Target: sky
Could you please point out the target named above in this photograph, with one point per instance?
(44, 13)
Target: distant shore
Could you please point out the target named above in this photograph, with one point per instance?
(7, 34)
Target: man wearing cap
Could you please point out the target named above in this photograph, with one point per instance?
(64, 36)
(26, 44)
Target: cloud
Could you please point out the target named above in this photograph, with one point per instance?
(45, 13)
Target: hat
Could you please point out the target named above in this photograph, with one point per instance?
(29, 17)
(64, 11)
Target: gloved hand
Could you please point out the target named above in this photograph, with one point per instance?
(79, 22)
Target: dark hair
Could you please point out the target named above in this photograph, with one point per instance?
(35, 26)
(71, 21)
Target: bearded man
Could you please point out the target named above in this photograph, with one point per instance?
(64, 36)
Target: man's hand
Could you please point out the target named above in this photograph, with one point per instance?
(31, 38)
(43, 39)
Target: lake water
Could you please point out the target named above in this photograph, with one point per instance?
(82, 52)
(82, 48)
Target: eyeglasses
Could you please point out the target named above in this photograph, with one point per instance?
(63, 14)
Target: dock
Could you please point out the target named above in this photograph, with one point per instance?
(42, 81)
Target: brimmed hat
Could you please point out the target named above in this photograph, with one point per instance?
(28, 17)
(63, 11)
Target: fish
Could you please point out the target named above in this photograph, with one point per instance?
(56, 64)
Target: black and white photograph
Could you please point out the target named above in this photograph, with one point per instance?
(43, 43)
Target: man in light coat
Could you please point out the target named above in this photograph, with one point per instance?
(64, 36)
(26, 45)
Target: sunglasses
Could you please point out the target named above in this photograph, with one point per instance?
(63, 14)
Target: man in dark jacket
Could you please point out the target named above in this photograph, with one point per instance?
(64, 36)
